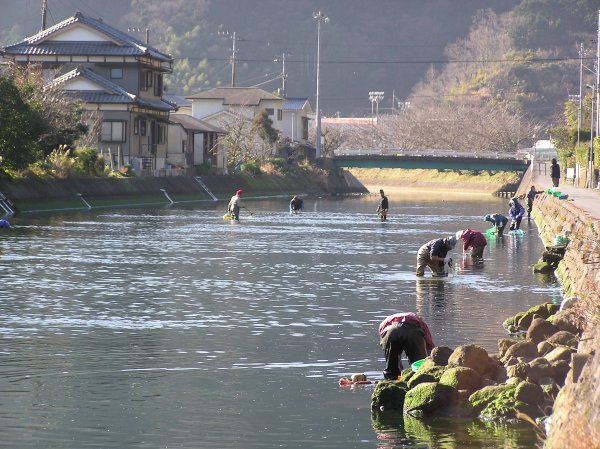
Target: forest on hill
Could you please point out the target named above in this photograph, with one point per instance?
(524, 54)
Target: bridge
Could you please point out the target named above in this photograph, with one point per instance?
(440, 160)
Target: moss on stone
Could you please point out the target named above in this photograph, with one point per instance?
(388, 395)
(428, 397)
(430, 373)
(461, 378)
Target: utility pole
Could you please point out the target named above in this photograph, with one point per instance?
(283, 73)
(233, 38)
(319, 17)
(580, 91)
(44, 12)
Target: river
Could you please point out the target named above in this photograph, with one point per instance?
(172, 328)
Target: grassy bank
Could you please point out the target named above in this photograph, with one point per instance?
(435, 180)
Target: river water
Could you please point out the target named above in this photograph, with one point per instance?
(172, 328)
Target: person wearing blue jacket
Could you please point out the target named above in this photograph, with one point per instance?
(516, 212)
(499, 222)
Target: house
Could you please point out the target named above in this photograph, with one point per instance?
(192, 142)
(294, 123)
(114, 74)
(247, 102)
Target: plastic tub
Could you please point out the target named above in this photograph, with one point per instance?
(416, 365)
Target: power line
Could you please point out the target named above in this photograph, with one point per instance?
(465, 61)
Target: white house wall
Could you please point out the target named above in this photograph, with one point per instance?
(78, 34)
(205, 108)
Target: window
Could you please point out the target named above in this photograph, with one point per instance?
(162, 133)
(142, 127)
(270, 111)
(113, 131)
(136, 126)
(148, 79)
(279, 114)
(116, 73)
(158, 86)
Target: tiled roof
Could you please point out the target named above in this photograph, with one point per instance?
(240, 96)
(194, 124)
(294, 104)
(110, 93)
(123, 43)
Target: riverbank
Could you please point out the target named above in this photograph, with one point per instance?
(482, 183)
(42, 195)
(576, 410)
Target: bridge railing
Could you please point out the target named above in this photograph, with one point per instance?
(429, 152)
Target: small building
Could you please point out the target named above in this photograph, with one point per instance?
(295, 118)
(114, 74)
(192, 142)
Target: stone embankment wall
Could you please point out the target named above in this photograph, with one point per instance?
(576, 417)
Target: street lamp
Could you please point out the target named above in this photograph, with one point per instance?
(375, 98)
(319, 17)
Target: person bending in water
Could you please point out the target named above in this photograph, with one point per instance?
(403, 332)
(499, 222)
(474, 240)
(434, 254)
(296, 204)
(516, 212)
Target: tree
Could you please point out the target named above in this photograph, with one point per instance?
(21, 128)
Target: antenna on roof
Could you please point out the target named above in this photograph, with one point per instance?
(44, 10)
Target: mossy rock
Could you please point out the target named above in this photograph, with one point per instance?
(471, 356)
(481, 398)
(388, 395)
(431, 373)
(543, 311)
(428, 397)
(543, 267)
(461, 378)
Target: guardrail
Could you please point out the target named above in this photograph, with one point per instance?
(431, 152)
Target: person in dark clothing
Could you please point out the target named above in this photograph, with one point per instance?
(434, 254)
(296, 204)
(382, 208)
(499, 221)
(403, 332)
(555, 173)
(516, 213)
(530, 197)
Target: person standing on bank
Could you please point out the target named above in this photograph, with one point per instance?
(235, 204)
(382, 208)
(555, 172)
(434, 254)
(403, 332)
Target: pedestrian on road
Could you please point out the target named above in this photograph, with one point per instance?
(434, 254)
(403, 332)
(555, 173)
(382, 208)
(474, 240)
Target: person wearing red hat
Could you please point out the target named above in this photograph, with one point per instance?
(235, 205)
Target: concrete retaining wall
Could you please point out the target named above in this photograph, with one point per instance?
(576, 418)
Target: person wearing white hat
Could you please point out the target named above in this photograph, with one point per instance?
(434, 254)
